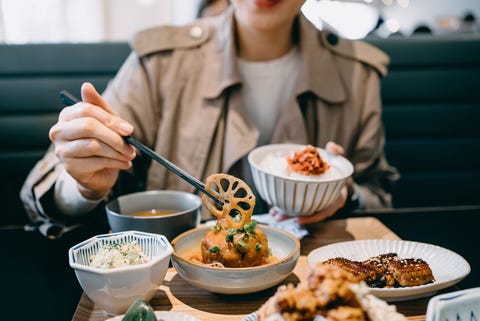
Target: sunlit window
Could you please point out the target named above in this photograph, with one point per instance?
(351, 20)
(355, 19)
(27, 21)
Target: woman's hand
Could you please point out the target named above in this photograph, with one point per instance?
(88, 141)
(329, 210)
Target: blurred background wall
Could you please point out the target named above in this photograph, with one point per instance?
(31, 21)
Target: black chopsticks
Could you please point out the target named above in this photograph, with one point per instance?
(68, 99)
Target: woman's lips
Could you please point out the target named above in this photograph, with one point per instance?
(266, 3)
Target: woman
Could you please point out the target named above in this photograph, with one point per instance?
(203, 96)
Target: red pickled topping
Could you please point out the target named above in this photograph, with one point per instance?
(307, 162)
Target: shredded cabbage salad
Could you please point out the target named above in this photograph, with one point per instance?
(115, 255)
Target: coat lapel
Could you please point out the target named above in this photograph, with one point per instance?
(241, 135)
(318, 75)
(221, 78)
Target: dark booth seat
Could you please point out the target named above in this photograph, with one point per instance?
(431, 112)
(31, 77)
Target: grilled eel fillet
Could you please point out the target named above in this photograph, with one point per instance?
(387, 270)
(410, 272)
(368, 272)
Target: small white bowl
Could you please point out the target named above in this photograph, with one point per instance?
(186, 208)
(283, 245)
(114, 290)
(297, 194)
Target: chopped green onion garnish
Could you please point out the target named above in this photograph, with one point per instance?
(250, 227)
(229, 237)
(243, 244)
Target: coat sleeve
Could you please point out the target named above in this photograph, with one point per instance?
(373, 174)
(37, 193)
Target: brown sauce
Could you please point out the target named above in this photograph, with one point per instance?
(153, 213)
(194, 254)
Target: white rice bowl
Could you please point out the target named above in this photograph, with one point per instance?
(291, 192)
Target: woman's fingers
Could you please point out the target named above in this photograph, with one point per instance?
(90, 128)
(334, 148)
(87, 110)
(88, 139)
(89, 147)
(278, 214)
(83, 120)
(87, 166)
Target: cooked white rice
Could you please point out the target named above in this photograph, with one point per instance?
(278, 165)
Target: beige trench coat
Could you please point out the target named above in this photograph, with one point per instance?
(180, 88)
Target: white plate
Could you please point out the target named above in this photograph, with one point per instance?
(164, 315)
(447, 266)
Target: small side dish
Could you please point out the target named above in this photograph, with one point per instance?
(227, 280)
(115, 284)
(235, 256)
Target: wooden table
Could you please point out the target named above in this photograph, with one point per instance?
(177, 295)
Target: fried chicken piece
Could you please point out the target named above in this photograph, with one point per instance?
(410, 272)
(329, 293)
(332, 285)
(290, 304)
(326, 287)
(345, 313)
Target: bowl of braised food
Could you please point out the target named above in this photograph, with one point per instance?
(298, 179)
(235, 255)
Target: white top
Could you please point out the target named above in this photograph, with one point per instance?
(267, 87)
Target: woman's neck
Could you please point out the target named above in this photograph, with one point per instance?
(260, 45)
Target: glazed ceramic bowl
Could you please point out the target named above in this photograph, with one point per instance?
(284, 246)
(115, 289)
(185, 207)
(296, 194)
